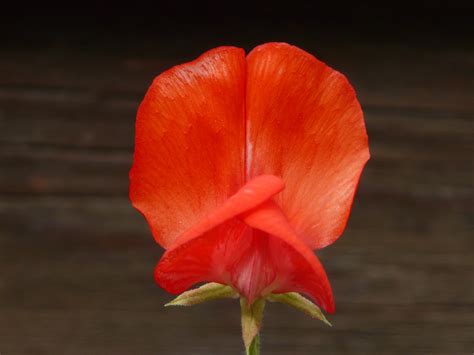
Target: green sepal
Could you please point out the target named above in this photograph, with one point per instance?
(301, 303)
(207, 292)
(251, 323)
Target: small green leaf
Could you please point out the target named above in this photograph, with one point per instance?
(251, 321)
(207, 292)
(301, 303)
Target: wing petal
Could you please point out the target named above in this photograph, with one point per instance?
(249, 244)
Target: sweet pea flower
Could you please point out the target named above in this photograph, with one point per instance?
(244, 165)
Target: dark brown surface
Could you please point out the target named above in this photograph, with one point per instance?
(76, 260)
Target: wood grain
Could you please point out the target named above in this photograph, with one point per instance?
(76, 260)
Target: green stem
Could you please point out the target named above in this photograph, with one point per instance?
(251, 323)
(254, 348)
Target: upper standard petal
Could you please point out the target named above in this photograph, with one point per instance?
(189, 147)
(305, 125)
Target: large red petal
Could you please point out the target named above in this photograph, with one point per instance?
(189, 147)
(305, 124)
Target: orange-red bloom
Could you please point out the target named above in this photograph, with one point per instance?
(243, 165)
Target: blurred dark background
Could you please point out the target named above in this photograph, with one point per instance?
(76, 261)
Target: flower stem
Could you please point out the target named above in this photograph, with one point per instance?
(251, 317)
(254, 348)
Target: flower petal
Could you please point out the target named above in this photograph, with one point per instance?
(189, 148)
(257, 257)
(299, 269)
(199, 259)
(305, 124)
(252, 194)
(218, 244)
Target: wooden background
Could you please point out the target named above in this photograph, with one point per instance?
(76, 260)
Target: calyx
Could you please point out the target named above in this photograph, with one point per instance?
(252, 314)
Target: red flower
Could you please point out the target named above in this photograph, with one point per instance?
(243, 165)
